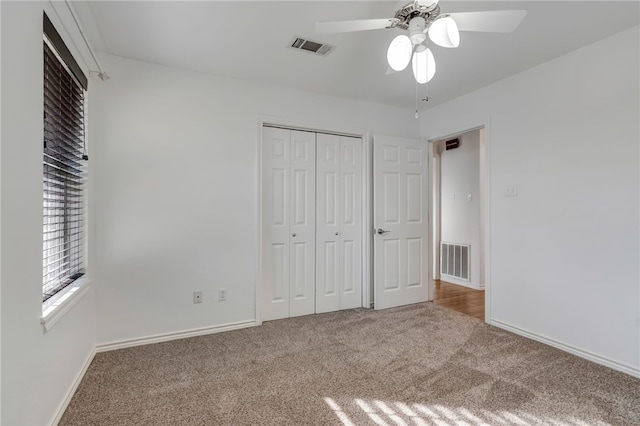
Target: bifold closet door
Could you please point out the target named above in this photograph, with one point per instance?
(338, 223)
(288, 223)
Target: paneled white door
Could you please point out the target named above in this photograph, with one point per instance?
(338, 223)
(288, 223)
(400, 195)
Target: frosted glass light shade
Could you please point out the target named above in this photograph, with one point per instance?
(444, 32)
(428, 2)
(399, 52)
(424, 66)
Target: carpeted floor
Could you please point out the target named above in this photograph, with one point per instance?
(416, 365)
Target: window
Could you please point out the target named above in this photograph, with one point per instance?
(64, 165)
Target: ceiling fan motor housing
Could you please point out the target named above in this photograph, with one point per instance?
(416, 30)
(406, 14)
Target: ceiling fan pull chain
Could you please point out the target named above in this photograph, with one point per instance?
(426, 93)
(417, 114)
(426, 85)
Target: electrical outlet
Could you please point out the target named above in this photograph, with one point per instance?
(197, 297)
(510, 191)
(222, 294)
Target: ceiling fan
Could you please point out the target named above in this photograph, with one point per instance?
(422, 18)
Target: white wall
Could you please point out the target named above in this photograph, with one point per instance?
(38, 368)
(176, 176)
(459, 217)
(482, 169)
(0, 222)
(565, 251)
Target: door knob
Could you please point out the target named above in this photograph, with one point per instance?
(382, 231)
(336, 233)
(293, 235)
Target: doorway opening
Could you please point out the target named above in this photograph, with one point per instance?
(459, 210)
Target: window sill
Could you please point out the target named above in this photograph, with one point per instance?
(55, 308)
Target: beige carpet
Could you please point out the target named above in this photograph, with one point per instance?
(416, 365)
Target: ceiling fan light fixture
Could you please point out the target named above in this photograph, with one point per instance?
(444, 32)
(399, 52)
(427, 3)
(417, 28)
(424, 66)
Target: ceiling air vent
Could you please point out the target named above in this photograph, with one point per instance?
(305, 45)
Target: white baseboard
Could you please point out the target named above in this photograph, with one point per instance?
(457, 281)
(76, 382)
(104, 347)
(607, 362)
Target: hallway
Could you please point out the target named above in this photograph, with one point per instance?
(459, 298)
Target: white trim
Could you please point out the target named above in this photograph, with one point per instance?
(72, 390)
(431, 283)
(308, 130)
(598, 359)
(258, 262)
(367, 227)
(310, 127)
(432, 261)
(458, 281)
(487, 220)
(58, 305)
(165, 337)
(435, 212)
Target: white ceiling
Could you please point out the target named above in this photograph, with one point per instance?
(248, 40)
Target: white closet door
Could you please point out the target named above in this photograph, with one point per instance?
(338, 223)
(303, 218)
(328, 224)
(288, 223)
(351, 223)
(275, 222)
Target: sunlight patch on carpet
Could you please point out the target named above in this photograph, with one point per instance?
(388, 413)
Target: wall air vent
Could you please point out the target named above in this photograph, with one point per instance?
(452, 144)
(309, 46)
(454, 260)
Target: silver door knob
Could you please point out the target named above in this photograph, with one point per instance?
(336, 233)
(293, 235)
(382, 231)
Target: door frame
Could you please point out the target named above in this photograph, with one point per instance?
(367, 218)
(486, 224)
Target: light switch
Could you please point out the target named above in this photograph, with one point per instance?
(510, 191)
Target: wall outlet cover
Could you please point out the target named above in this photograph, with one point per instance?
(510, 191)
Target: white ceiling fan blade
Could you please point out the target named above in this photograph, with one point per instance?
(350, 26)
(492, 21)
